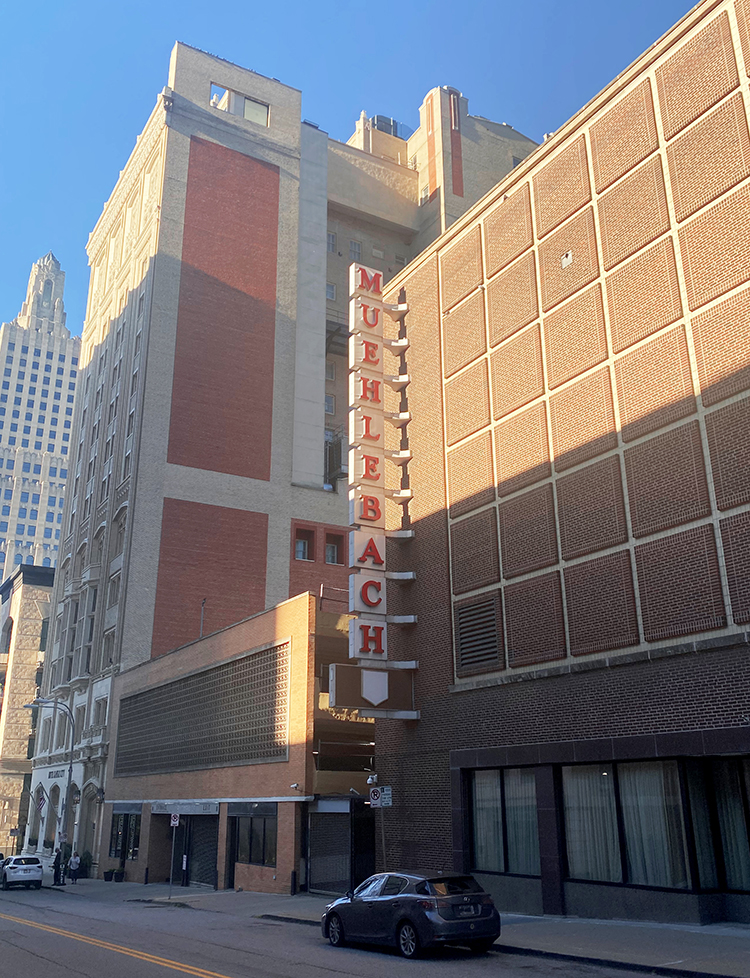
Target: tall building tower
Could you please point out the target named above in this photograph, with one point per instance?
(40, 367)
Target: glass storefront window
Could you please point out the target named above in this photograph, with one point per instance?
(592, 841)
(505, 829)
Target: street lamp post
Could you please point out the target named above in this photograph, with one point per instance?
(57, 704)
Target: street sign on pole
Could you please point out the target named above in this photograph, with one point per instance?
(174, 820)
(386, 796)
(375, 801)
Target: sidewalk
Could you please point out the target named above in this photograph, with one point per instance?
(668, 949)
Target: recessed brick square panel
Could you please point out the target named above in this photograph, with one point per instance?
(735, 536)
(679, 586)
(474, 556)
(467, 403)
(728, 431)
(667, 480)
(522, 450)
(654, 385)
(207, 552)
(227, 310)
(591, 509)
(511, 299)
(643, 296)
(517, 375)
(470, 476)
(601, 604)
(710, 158)
(575, 337)
(583, 421)
(633, 213)
(464, 336)
(528, 539)
(561, 187)
(559, 277)
(623, 137)
(716, 249)
(507, 229)
(722, 348)
(461, 269)
(534, 620)
(742, 10)
(701, 73)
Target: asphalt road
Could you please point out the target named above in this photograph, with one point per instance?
(43, 933)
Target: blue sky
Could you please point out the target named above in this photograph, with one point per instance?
(79, 79)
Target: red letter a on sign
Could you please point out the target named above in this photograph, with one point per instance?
(372, 551)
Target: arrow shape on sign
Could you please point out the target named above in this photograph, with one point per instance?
(374, 686)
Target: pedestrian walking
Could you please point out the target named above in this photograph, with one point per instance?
(74, 865)
(57, 868)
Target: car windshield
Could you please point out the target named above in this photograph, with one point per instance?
(454, 886)
(26, 861)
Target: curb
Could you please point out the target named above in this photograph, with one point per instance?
(287, 920)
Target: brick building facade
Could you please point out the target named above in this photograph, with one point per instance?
(580, 398)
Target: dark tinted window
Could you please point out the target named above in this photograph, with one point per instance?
(26, 861)
(393, 885)
(454, 886)
(369, 888)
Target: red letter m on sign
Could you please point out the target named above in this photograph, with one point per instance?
(370, 284)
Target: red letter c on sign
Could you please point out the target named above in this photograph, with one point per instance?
(365, 595)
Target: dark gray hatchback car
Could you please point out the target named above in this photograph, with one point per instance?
(414, 911)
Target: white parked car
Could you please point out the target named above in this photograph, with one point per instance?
(22, 871)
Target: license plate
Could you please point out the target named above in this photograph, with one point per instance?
(467, 911)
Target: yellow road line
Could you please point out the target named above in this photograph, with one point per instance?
(188, 969)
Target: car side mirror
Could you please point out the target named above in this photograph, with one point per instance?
(349, 895)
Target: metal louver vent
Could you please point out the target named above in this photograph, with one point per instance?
(476, 628)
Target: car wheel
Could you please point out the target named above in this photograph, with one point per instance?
(481, 947)
(408, 940)
(38, 886)
(335, 931)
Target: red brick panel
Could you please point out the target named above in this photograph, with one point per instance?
(716, 249)
(309, 575)
(679, 586)
(227, 311)
(470, 475)
(600, 601)
(583, 421)
(507, 229)
(522, 450)
(742, 10)
(464, 336)
(722, 348)
(528, 538)
(633, 213)
(710, 158)
(623, 137)
(467, 403)
(461, 269)
(667, 480)
(511, 299)
(735, 535)
(654, 385)
(207, 552)
(700, 73)
(643, 295)
(561, 187)
(728, 431)
(558, 280)
(517, 375)
(534, 620)
(591, 509)
(474, 557)
(575, 337)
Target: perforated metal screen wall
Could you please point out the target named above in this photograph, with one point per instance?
(235, 713)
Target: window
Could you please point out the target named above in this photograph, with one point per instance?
(334, 548)
(100, 712)
(330, 292)
(330, 369)
(256, 835)
(330, 404)
(304, 545)
(331, 248)
(400, 260)
(235, 104)
(114, 591)
(355, 251)
(125, 836)
(256, 112)
(80, 720)
(424, 195)
(505, 832)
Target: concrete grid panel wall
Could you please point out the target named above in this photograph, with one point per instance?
(584, 421)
